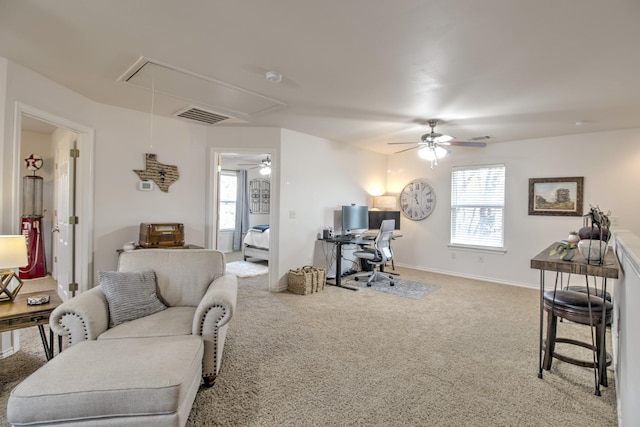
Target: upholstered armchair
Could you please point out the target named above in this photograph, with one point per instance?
(153, 293)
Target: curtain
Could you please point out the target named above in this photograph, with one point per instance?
(242, 209)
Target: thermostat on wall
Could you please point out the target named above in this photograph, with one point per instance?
(145, 185)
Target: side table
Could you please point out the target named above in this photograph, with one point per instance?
(607, 270)
(17, 314)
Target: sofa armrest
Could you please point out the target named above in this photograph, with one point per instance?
(217, 305)
(83, 317)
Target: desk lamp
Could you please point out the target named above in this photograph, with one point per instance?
(13, 254)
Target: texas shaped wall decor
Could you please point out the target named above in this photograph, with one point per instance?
(163, 175)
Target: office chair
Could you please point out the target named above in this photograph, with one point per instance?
(379, 255)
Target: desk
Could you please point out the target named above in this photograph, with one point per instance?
(339, 242)
(607, 270)
(18, 314)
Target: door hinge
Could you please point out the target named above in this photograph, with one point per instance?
(73, 287)
(73, 219)
(74, 152)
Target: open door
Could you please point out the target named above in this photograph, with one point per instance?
(65, 219)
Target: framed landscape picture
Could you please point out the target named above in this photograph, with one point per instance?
(556, 196)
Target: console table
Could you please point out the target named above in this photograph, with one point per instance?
(17, 314)
(578, 265)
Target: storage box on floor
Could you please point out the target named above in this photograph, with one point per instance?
(306, 280)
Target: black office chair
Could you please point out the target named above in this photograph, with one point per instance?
(378, 255)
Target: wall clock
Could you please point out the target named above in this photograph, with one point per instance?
(417, 200)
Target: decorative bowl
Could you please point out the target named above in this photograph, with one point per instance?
(593, 250)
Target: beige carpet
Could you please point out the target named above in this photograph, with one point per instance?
(465, 355)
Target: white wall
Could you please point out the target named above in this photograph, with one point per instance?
(317, 177)
(608, 161)
(122, 140)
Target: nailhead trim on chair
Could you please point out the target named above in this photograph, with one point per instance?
(215, 339)
(84, 327)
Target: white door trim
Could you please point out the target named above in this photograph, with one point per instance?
(84, 186)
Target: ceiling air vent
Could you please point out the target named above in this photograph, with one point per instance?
(203, 116)
(481, 138)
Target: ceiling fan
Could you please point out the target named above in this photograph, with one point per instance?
(430, 146)
(264, 165)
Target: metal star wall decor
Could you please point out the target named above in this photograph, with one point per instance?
(163, 175)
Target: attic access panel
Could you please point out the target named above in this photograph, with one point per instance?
(196, 89)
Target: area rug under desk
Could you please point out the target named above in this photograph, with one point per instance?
(246, 268)
(402, 288)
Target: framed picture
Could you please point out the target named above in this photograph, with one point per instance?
(556, 196)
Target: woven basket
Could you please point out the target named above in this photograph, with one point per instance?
(322, 278)
(300, 281)
(314, 277)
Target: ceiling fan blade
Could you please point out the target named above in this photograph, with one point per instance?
(465, 144)
(399, 143)
(407, 149)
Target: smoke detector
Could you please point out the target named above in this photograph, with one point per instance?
(273, 76)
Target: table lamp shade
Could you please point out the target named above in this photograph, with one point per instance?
(384, 202)
(13, 251)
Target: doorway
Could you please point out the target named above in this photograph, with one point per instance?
(67, 196)
(224, 166)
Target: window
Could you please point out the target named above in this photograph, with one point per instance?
(477, 206)
(228, 194)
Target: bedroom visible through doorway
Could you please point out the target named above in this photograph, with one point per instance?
(244, 206)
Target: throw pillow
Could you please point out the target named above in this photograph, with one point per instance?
(130, 295)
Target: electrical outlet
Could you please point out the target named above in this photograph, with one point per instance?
(453, 255)
(480, 259)
(615, 221)
(292, 214)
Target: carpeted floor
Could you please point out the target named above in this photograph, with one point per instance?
(465, 355)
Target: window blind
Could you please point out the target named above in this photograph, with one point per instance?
(477, 206)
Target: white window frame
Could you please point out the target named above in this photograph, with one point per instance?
(222, 202)
(490, 240)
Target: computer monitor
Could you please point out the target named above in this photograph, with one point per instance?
(376, 218)
(354, 218)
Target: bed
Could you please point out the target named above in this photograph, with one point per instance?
(256, 243)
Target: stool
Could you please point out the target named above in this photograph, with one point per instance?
(583, 290)
(129, 381)
(574, 306)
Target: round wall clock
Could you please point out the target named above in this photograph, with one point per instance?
(417, 200)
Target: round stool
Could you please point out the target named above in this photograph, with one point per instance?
(574, 306)
(583, 290)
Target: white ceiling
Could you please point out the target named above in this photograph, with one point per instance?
(365, 72)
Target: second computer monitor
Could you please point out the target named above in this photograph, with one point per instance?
(376, 218)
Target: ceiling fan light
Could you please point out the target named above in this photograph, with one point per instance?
(427, 153)
(440, 152)
(265, 170)
(432, 153)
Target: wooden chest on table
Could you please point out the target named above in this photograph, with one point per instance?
(161, 235)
